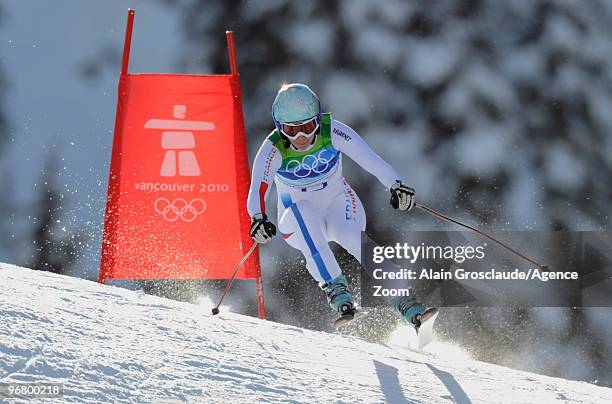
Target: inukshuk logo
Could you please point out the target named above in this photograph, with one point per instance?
(178, 140)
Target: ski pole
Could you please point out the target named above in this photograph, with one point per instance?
(482, 233)
(215, 309)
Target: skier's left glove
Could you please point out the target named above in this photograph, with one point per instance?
(402, 196)
(262, 230)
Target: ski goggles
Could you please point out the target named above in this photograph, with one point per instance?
(304, 128)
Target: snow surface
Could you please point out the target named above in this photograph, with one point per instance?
(110, 344)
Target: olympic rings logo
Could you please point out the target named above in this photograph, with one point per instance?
(313, 163)
(180, 208)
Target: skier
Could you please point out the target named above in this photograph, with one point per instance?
(303, 155)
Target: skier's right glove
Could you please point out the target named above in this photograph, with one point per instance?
(262, 230)
(402, 196)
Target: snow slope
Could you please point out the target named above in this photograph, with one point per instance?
(110, 344)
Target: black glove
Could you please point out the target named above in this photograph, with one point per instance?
(262, 230)
(402, 196)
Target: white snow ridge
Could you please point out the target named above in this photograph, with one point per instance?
(107, 344)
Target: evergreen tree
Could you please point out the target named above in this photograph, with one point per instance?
(54, 247)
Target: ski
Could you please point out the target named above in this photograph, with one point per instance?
(425, 329)
(344, 318)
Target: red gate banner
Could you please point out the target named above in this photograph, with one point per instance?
(179, 178)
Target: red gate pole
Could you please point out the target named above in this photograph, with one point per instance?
(127, 45)
(232, 53)
(110, 218)
(261, 306)
(231, 49)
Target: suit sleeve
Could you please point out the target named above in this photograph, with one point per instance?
(267, 162)
(347, 141)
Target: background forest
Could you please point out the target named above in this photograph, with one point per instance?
(498, 113)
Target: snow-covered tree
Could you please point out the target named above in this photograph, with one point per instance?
(496, 112)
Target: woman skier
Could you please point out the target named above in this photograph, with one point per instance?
(303, 155)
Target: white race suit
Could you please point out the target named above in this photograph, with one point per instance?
(315, 203)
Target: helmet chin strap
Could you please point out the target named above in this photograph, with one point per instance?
(302, 134)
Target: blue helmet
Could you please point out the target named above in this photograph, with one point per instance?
(294, 103)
